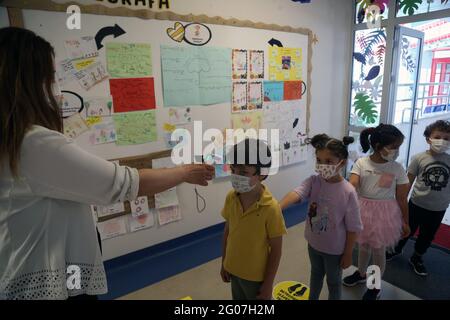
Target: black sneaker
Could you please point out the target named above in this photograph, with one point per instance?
(354, 279)
(417, 264)
(372, 294)
(391, 255)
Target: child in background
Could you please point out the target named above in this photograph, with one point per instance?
(254, 225)
(383, 188)
(333, 218)
(431, 192)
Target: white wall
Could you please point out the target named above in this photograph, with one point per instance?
(4, 20)
(331, 21)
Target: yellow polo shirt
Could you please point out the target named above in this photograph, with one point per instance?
(247, 244)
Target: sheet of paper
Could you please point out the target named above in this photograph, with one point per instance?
(239, 96)
(166, 199)
(196, 75)
(256, 59)
(133, 94)
(65, 72)
(285, 63)
(239, 62)
(168, 129)
(292, 90)
(81, 48)
(141, 222)
(255, 96)
(98, 106)
(91, 121)
(129, 60)
(74, 126)
(112, 228)
(180, 115)
(247, 120)
(169, 214)
(103, 211)
(103, 131)
(135, 127)
(273, 90)
(92, 75)
(139, 206)
(83, 63)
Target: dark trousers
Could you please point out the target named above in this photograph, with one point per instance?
(428, 223)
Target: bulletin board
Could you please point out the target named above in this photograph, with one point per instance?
(160, 40)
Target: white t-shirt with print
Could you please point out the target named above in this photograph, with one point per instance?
(378, 181)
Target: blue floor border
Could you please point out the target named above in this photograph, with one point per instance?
(145, 267)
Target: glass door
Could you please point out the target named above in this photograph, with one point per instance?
(403, 110)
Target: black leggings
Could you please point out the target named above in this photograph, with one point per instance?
(428, 223)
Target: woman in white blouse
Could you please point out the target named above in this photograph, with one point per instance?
(47, 182)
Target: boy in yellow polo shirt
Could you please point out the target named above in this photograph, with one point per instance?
(254, 225)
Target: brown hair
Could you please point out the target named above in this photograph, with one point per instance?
(26, 99)
(379, 137)
(440, 125)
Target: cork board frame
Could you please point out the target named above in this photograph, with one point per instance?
(100, 9)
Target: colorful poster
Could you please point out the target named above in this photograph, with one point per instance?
(74, 126)
(103, 131)
(168, 129)
(112, 228)
(139, 206)
(141, 222)
(196, 75)
(179, 116)
(98, 106)
(135, 127)
(285, 64)
(256, 64)
(292, 90)
(133, 94)
(239, 96)
(247, 120)
(129, 60)
(273, 91)
(255, 95)
(92, 75)
(81, 48)
(169, 214)
(239, 58)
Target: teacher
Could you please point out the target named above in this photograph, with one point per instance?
(47, 182)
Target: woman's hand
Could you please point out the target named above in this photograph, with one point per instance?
(405, 230)
(225, 275)
(265, 292)
(197, 173)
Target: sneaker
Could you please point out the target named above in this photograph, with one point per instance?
(418, 266)
(354, 279)
(392, 254)
(372, 294)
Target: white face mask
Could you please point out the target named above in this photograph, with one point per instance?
(392, 154)
(327, 171)
(241, 183)
(439, 145)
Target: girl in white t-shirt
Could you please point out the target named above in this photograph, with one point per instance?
(383, 186)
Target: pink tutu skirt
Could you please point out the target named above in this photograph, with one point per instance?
(382, 222)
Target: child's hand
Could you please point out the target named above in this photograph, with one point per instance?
(406, 230)
(265, 292)
(346, 260)
(225, 275)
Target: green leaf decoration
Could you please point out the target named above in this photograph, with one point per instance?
(365, 108)
(409, 6)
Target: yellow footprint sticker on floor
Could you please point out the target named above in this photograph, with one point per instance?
(290, 290)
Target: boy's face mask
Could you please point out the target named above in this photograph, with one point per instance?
(327, 171)
(241, 184)
(439, 145)
(392, 154)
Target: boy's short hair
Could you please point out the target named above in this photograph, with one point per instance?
(440, 125)
(251, 152)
